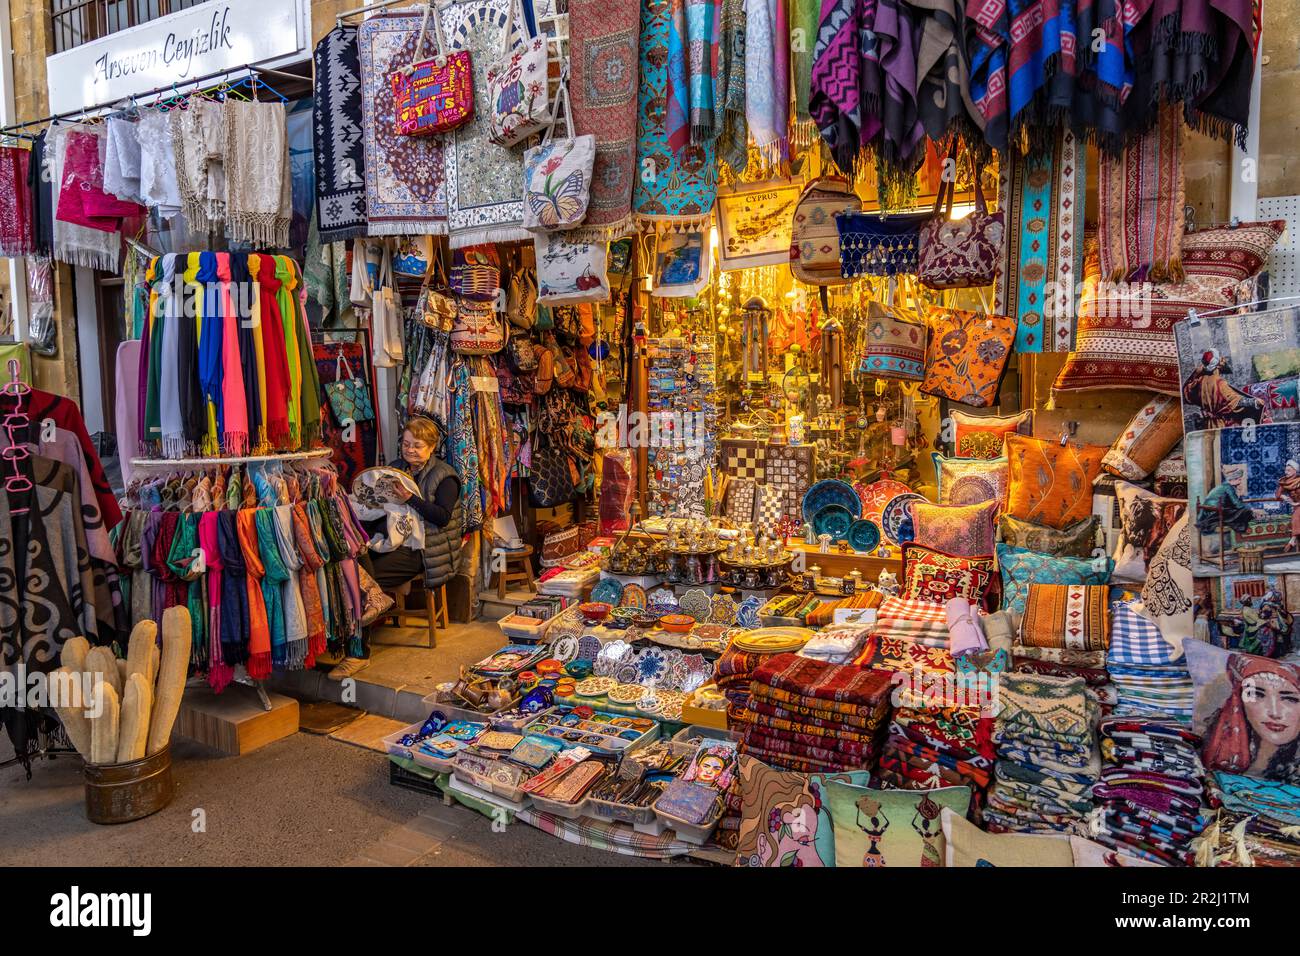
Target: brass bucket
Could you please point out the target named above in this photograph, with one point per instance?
(122, 792)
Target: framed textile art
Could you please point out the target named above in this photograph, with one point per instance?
(1146, 440)
(1051, 483)
(784, 820)
(1072, 616)
(876, 828)
(755, 221)
(1126, 331)
(957, 529)
(1247, 712)
(1145, 520)
(970, 481)
(1079, 540)
(967, 354)
(937, 577)
(1234, 369)
(1021, 568)
(893, 345)
(982, 436)
(1243, 486)
(1252, 613)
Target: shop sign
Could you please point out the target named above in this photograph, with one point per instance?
(173, 49)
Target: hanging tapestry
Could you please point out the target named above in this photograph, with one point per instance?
(340, 147)
(1140, 201)
(603, 96)
(1044, 249)
(485, 183)
(755, 223)
(404, 175)
(673, 184)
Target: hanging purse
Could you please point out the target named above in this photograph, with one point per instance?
(893, 345)
(569, 272)
(521, 298)
(437, 304)
(478, 330)
(967, 355)
(349, 397)
(518, 92)
(433, 95)
(960, 253)
(879, 245)
(476, 273)
(551, 479)
(521, 353)
(386, 317)
(814, 240)
(557, 175)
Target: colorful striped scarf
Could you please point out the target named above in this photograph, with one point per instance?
(259, 623)
(693, 37)
(845, 83)
(1140, 206)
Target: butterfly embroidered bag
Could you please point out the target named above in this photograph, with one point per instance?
(557, 177)
(518, 92)
(435, 95)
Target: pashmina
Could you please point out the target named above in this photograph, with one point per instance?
(82, 200)
(1140, 206)
(17, 237)
(805, 20)
(259, 205)
(693, 39)
(779, 12)
(180, 557)
(274, 356)
(234, 400)
(603, 37)
(340, 154)
(309, 582)
(40, 187)
(172, 421)
(485, 183)
(198, 140)
(405, 175)
(248, 335)
(260, 614)
(1044, 249)
(275, 576)
(122, 159)
(943, 71)
(760, 71)
(220, 674)
(75, 244)
(211, 331)
(674, 185)
(901, 130)
(845, 83)
(729, 106)
(194, 418)
(235, 611)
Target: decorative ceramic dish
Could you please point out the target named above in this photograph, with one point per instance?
(609, 591)
(864, 535)
(831, 491)
(834, 520)
(678, 623)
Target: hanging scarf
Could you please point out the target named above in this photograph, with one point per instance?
(259, 207)
(309, 582)
(340, 152)
(158, 183)
(729, 108)
(693, 39)
(943, 98)
(274, 577)
(167, 357)
(297, 652)
(259, 613)
(258, 354)
(245, 306)
(194, 410)
(147, 400)
(463, 446)
(211, 333)
(805, 19)
(274, 357)
(285, 301)
(122, 160)
(844, 86)
(235, 614)
(40, 178)
(180, 558)
(779, 11)
(17, 226)
(82, 200)
(76, 242)
(760, 52)
(1140, 206)
(198, 140)
(172, 589)
(902, 136)
(310, 390)
(234, 403)
(219, 672)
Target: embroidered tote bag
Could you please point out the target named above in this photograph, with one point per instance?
(967, 353)
(960, 253)
(433, 95)
(893, 345)
(872, 244)
(478, 329)
(349, 396)
(814, 240)
(517, 89)
(570, 272)
(557, 177)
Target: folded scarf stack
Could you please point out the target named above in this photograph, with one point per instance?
(1149, 673)
(1090, 666)
(1048, 756)
(1257, 824)
(809, 715)
(1149, 794)
(921, 622)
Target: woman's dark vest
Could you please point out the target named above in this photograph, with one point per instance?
(441, 545)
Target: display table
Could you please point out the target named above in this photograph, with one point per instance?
(836, 565)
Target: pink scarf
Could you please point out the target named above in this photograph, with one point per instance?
(220, 674)
(82, 200)
(234, 402)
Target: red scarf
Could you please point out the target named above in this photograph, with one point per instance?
(273, 347)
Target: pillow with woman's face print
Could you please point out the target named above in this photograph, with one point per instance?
(1247, 712)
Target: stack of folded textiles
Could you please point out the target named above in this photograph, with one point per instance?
(733, 673)
(1065, 632)
(811, 716)
(1257, 824)
(836, 645)
(1150, 791)
(1047, 755)
(1149, 673)
(921, 622)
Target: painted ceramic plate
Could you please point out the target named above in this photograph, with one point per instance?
(626, 673)
(723, 610)
(878, 494)
(696, 603)
(831, 491)
(662, 599)
(653, 706)
(651, 665)
(864, 535)
(633, 596)
(610, 657)
(588, 647)
(834, 520)
(626, 693)
(747, 615)
(608, 591)
(565, 649)
(774, 640)
(897, 511)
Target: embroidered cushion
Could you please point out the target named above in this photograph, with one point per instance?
(1153, 432)
(966, 355)
(784, 820)
(971, 481)
(1169, 593)
(981, 436)
(891, 827)
(1075, 541)
(958, 529)
(1145, 520)
(1073, 616)
(893, 345)
(966, 845)
(1051, 483)
(1126, 331)
(1020, 568)
(937, 577)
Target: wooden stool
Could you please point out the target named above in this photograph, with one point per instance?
(518, 569)
(435, 607)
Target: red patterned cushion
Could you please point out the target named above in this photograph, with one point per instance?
(937, 577)
(1126, 331)
(957, 529)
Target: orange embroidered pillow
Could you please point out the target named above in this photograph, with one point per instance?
(1073, 616)
(1051, 483)
(981, 436)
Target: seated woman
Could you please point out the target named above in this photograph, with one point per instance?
(438, 503)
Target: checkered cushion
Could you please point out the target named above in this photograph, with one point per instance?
(1135, 639)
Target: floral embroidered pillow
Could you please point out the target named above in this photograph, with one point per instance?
(1050, 483)
(965, 530)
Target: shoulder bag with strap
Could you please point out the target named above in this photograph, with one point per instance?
(519, 94)
(349, 396)
(814, 240)
(386, 317)
(557, 175)
(433, 95)
(960, 253)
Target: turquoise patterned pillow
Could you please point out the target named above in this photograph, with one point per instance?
(1021, 568)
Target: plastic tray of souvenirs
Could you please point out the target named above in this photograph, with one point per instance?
(500, 788)
(638, 816)
(394, 746)
(595, 735)
(693, 733)
(688, 833)
(526, 629)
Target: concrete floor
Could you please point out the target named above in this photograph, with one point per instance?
(305, 800)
